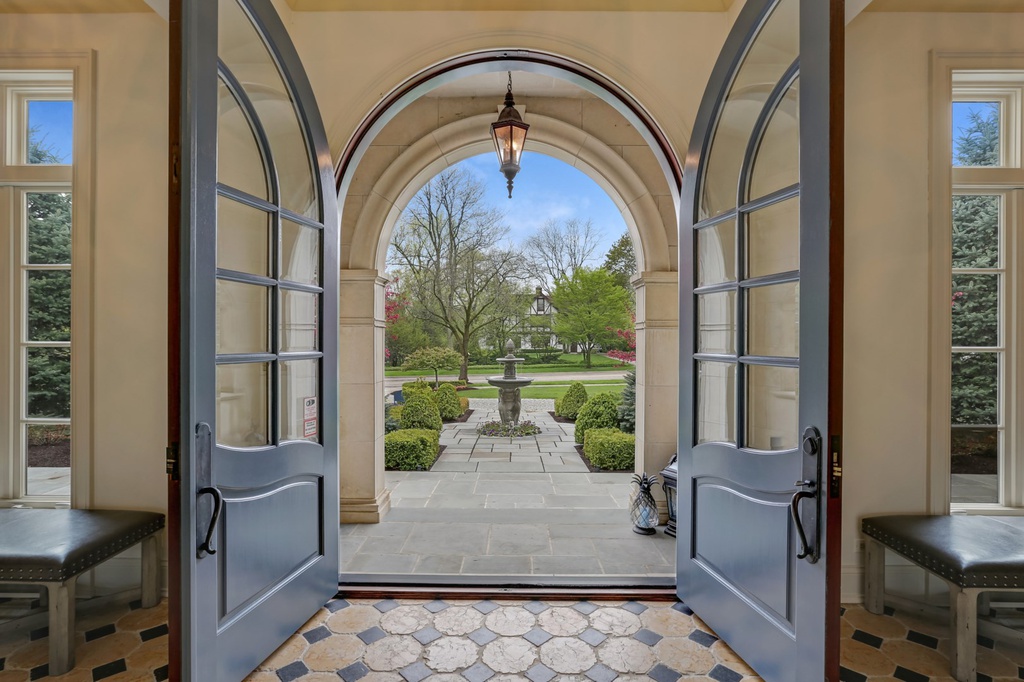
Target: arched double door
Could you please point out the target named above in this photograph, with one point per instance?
(254, 352)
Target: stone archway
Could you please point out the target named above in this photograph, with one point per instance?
(426, 136)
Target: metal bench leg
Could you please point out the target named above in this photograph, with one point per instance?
(874, 576)
(62, 626)
(150, 571)
(963, 610)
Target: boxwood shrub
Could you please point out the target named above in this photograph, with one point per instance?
(410, 449)
(448, 403)
(420, 412)
(601, 411)
(608, 448)
(575, 397)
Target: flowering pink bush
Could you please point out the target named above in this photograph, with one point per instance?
(629, 336)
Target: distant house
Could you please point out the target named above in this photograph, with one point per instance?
(537, 327)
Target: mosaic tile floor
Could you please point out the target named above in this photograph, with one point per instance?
(117, 642)
(501, 641)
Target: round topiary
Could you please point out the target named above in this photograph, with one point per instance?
(420, 412)
(572, 401)
(601, 411)
(448, 402)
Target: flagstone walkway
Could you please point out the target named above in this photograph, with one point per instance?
(510, 507)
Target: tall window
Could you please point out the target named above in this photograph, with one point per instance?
(36, 168)
(987, 350)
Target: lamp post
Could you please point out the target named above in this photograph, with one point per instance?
(509, 134)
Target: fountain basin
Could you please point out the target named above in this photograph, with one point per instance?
(509, 399)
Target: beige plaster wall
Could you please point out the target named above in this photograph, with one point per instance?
(129, 235)
(887, 260)
(663, 59)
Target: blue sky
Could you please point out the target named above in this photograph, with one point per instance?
(547, 189)
(52, 123)
(961, 114)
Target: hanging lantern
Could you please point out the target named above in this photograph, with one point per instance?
(509, 134)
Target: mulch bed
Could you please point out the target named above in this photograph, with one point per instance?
(561, 420)
(58, 455)
(599, 470)
(973, 464)
(461, 420)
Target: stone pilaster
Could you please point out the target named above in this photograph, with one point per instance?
(657, 372)
(364, 497)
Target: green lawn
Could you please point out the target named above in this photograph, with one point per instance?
(543, 391)
(570, 363)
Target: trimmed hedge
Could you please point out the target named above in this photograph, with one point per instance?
(410, 449)
(608, 448)
(601, 411)
(448, 403)
(463, 405)
(572, 400)
(420, 412)
(411, 388)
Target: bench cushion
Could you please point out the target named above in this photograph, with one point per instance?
(966, 550)
(52, 545)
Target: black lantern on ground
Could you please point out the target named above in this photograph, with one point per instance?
(509, 133)
(670, 476)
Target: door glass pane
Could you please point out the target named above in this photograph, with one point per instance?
(772, 407)
(48, 459)
(716, 254)
(773, 239)
(975, 389)
(245, 54)
(243, 324)
(300, 253)
(299, 316)
(773, 320)
(976, 233)
(716, 411)
(773, 51)
(240, 163)
(243, 237)
(975, 316)
(50, 131)
(48, 314)
(976, 133)
(49, 228)
(716, 323)
(48, 382)
(300, 410)
(777, 163)
(243, 406)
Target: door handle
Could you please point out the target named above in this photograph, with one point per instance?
(218, 505)
(806, 552)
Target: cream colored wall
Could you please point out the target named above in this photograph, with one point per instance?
(887, 236)
(129, 236)
(355, 58)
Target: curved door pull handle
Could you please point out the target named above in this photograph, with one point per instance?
(218, 505)
(794, 509)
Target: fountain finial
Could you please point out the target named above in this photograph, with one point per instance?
(510, 348)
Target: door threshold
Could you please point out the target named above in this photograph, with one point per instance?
(441, 586)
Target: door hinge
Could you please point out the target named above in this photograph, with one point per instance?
(173, 461)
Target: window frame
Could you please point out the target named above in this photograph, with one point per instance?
(958, 77)
(24, 77)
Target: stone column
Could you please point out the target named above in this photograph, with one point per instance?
(657, 373)
(364, 497)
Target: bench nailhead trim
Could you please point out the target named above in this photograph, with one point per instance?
(959, 578)
(40, 574)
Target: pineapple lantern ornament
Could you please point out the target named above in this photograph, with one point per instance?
(644, 510)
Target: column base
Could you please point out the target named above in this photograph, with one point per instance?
(366, 510)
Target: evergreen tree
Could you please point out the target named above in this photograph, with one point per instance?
(621, 261)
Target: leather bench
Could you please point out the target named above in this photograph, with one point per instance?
(52, 547)
(972, 554)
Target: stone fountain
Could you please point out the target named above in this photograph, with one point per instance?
(510, 401)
